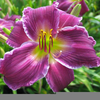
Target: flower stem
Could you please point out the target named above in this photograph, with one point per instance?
(14, 92)
(40, 86)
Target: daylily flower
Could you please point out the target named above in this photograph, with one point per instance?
(67, 5)
(52, 46)
(12, 17)
(0, 64)
(7, 22)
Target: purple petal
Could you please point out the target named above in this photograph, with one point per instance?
(58, 76)
(78, 48)
(44, 18)
(0, 65)
(21, 67)
(84, 8)
(60, 1)
(6, 24)
(64, 5)
(13, 17)
(0, 9)
(68, 20)
(17, 36)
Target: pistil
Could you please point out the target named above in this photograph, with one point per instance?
(57, 55)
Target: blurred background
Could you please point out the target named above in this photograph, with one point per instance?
(86, 80)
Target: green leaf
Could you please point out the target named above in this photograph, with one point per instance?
(43, 91)
(86, 82)
(81, 75)
(66, 90)
(98, 54)
(2, 82)
(30, 91)
(2, 52)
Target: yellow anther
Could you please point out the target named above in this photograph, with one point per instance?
(50, 41)
(50, 36)
(44, 34)
(41, 30)
(39, 36)
(51, 31)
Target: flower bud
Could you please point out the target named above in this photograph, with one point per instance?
(7, 31)
(76, 10)
(3, 38)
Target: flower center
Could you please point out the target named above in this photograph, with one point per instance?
(45, 41)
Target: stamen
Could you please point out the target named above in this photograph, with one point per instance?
(40, 43)
(51, 31)
(49, 47)
(44, 34)
(41, 36)
(41, 31)
(51, 36)
(51, 40)
(45, 46)
(58, 55)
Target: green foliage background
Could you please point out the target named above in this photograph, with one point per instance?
(86, 80)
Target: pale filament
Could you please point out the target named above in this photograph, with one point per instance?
(57, 55)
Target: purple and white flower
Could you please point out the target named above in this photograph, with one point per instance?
(7, 22)
(12, 17)
(47, 43)
(67, 5)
